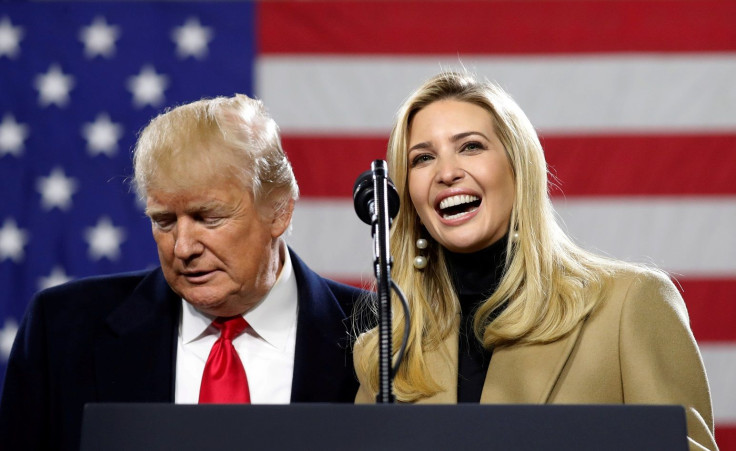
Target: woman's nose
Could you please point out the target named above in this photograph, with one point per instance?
(449, 170)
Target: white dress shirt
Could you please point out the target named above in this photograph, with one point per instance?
(266, 348)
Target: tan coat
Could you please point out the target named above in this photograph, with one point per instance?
(635, 348)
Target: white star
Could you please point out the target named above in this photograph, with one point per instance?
(56, 190)
(102, 135)
(12, 240)
(54, 87)
(104, 239)
(12, 135)
(57, 277)
(192, 39)
(7, 336)
(10, 37)
(148, 87)
(99, 38)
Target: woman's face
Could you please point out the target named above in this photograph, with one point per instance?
(460, 180)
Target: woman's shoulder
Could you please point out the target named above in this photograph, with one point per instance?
(642, 289)
(624, 275)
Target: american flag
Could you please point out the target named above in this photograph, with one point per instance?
(635, 102)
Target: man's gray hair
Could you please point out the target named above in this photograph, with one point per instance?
(191, 145)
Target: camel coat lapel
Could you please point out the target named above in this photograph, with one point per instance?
(527, 374)
(522, 374)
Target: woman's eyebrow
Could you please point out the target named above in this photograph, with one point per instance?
(462, 135)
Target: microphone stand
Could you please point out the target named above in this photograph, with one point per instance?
(380, 224)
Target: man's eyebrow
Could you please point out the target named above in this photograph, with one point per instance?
(155, 211)
(205, 206)
(196, 208)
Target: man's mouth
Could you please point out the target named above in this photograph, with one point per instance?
(197, 276)
(456, 206)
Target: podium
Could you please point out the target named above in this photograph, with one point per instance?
(152, 427)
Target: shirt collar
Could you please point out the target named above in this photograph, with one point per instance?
(272, 319)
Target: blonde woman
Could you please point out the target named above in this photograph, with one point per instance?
(505, 307)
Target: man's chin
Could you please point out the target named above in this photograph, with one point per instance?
(208, 303)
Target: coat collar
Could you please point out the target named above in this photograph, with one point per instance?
(322, 345)
(136, 350)
(519, 374)
(527, 374)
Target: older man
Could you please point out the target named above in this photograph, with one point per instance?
(232, 315)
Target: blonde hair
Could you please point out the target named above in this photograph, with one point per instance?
(549, 283)
(191, 145)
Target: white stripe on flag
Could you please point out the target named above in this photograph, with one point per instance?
(690, 236)
(560, 94)
(720, 365)
(683, 235)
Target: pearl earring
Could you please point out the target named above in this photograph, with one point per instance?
(515, 236)
(420, 261)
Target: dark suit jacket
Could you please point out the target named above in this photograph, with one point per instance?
(113, 339)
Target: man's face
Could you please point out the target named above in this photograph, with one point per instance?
(216, 250)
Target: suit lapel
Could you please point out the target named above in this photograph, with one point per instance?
(527, 373)
(136, 351)
(322, 343)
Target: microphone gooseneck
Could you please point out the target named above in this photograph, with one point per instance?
(376, 202)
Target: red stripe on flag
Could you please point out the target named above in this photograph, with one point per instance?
(642, 165)
(346, 158)
(726, 436)
(583, 165)
(711, 304)
(498, 27)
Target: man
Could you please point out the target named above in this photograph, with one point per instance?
(220, 194)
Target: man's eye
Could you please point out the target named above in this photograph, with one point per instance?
(162, 223)
(212, 221)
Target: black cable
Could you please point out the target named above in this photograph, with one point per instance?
(407, 323)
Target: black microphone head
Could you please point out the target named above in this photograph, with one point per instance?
(363, 196)
(393, 199)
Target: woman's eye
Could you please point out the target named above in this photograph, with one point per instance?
(472, 146)
(419, 159)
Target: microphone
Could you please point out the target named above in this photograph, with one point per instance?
(364, 195)
(376, 202)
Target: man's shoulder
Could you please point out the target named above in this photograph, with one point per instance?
(344, 290)
(76, 308)
(94, 293)
(119, 282)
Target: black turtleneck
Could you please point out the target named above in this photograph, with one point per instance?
(475, 277)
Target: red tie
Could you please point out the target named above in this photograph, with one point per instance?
(224, 380)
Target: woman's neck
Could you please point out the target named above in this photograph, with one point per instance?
(475, 275)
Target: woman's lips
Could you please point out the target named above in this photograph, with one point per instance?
(458, 218)
(458, 208)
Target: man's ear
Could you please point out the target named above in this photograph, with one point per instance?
(282, 219)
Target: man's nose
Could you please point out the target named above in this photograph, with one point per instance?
(187, 242)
